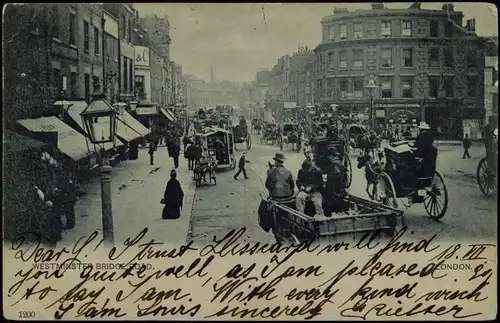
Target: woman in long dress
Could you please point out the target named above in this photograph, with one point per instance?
(172, 198)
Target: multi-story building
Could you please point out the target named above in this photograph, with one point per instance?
(127, 30)
(111, 57)
(166, 85)
(424, 63)
(159, 33)
(67, 49)
(90, 22)
(491, 79)
(177, 83)
(29, 85)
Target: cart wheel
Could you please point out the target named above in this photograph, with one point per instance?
(486, 178)
(293, 240)
(212, 176)
(436, 201)
(385, 192)
(198, 180)
(249, 141)
(348, 168)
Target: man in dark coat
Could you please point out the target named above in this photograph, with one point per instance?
(466, 143)
(172, 198)
(176, 149)
(151, 152)
(241, 166)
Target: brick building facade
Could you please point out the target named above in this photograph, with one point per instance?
(424, 63)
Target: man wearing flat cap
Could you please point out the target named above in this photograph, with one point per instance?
(279, 180)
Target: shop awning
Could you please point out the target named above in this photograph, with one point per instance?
(74, 111)
(128, 128)
(169, 115)
(69, 141)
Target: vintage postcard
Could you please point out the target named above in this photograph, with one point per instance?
(250, 161)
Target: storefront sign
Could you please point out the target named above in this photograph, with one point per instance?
(141, 56)
(126, 49)
(146, 111)
(380, 113)
(61, 50)
(32, 97)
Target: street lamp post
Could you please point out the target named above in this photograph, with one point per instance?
(99, 119)
(371, 87)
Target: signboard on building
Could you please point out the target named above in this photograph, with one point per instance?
(146, 111)
(141, 56)
(290, 105)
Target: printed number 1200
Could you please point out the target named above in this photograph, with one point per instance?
(27, 314)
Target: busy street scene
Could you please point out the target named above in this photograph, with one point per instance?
(189, 120)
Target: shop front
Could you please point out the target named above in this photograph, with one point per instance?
(75, 152)
(147, 114)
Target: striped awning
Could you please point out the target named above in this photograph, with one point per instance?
(169, 115)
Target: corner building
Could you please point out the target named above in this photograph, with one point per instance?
(425, 64)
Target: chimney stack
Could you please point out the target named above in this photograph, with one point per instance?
(377, 5)
(471, 25)
(416, 5)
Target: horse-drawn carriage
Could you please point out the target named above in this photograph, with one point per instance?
(357, 135)
(218, 143)
(269, 134)
(320, 147)
(408, 176)
(290, 134)
(242, 135)
(487, 172)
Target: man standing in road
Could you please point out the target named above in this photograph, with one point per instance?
(466, 143)
(241, 166)
(279, 180)
(151, 152)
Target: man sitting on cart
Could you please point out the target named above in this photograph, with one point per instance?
(424, 152)
(336, 184)
(309, 181)
(279, 180)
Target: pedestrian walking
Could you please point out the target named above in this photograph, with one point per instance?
(466, 143)
(172, 198)
(151, 152)
(241, 166)
(176, 149)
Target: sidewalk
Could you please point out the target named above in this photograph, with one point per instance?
(137, 189)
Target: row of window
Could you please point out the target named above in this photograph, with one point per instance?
(356, 88)
(126, 26)
(387, 61)
(386, 30)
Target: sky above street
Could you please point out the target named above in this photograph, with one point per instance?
(239, 39)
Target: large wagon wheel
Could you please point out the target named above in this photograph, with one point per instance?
(385, 192)
(436, 201)
(198, 178)
(486, 178)
(212, 177)
(348, 167)
(249, 141)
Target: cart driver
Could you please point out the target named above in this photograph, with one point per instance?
(424, 152)
(279, 180)
(309, 181)
(243, 123)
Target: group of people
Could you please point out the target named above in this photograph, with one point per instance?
(172, 142)
(310, 182)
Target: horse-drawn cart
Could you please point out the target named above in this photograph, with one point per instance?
(290, 135)
(364, 216)
(411, 177)
(241, 135)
